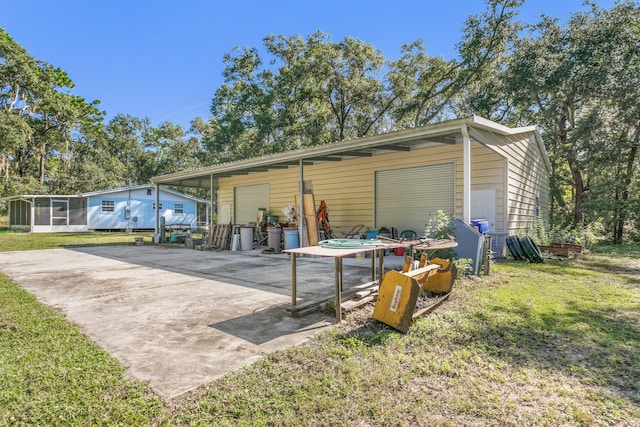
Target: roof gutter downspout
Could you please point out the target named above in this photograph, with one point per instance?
(213, 201)
(157, 215)
(466, 180)
(301, 227)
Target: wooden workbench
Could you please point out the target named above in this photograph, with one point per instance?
(434, 245)
(337, 254)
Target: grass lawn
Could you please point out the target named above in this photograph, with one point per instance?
(16, 241)
(546, 344)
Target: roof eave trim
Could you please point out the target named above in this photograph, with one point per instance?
(482, 123)
(333, 148)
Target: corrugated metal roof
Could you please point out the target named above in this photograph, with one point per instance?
(448, 132)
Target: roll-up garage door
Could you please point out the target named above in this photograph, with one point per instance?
(407, 198)
(248, 199)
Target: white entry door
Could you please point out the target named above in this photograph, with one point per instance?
(60, 212)
(484, 206)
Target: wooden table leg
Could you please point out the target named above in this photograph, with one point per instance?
(293, 279)
(341, 277)
(373, 265)
(380, 266)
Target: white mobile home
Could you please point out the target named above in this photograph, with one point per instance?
(125, 208)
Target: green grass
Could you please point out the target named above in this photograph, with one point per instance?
(625, 251)
(16, 241)
(532, 344)
(51, 374)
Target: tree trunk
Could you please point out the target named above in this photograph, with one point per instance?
(43, 153)
(42, 156)
(621, 210)
(617, 228)
(4, 167)
(566, 124)
(579, 187)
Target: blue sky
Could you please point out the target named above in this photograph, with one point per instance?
(163, 59)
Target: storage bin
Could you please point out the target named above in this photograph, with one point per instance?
(246, 238)
(273, 238)
(480, 224)
(291, 239)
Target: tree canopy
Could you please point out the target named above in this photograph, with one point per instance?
(54, 142)
(577, 80)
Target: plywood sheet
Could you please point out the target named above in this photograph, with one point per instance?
(311, 223)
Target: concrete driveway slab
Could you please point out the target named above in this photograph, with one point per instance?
(175, 317)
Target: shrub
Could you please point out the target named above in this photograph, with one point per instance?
(585, 236)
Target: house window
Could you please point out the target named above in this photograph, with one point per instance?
(154, 205)
(108, 206)
(537, 206)
(178, 208)
(148, 191)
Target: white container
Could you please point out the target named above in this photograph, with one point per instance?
(235, 242)
(246, 238)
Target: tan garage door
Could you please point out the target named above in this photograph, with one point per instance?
(248, 200)
(406, 198)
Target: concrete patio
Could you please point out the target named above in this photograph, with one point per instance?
(179, 318)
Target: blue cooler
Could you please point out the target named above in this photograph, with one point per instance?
(481, 224)
(370, 234)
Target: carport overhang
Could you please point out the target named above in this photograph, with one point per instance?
(449, 132)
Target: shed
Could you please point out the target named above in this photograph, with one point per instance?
(124, 208)
(471, 168)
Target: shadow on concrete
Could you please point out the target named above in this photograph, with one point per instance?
(271, 273)
(269, 324)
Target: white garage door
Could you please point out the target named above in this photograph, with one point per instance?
(407, 198)
(248, 200)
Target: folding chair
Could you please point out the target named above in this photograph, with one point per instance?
(409, 235)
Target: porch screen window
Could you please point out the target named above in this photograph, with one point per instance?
(178, 208)
(107, 206)
(43, 212)
(78, 211)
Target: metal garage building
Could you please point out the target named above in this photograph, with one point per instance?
(469, 167)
